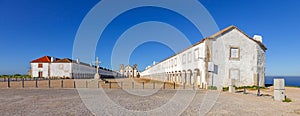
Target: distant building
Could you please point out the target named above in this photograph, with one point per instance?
(129, 71)
(229, 57)
(51, 67)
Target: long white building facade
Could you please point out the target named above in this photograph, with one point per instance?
(225, 58)
(51, 67)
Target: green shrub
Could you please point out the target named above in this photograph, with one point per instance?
(287, 100)
(250, 87)
(212, 87)
(225, 88)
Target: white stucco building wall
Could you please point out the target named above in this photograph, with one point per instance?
(50, 67)
(215, 61)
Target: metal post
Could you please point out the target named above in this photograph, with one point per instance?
(121, 85)
(98, 83)
(143, 84)
(62, 83)
(153, 85)
(164, 85)
(184, 85)
(22, 82)
(244, 89)
(36, 83)
(49, 83)
(4, 79)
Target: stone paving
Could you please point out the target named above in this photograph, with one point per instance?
(70, 101)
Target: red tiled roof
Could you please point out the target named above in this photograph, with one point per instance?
(46, 59)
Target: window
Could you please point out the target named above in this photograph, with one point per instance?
(189, 57)
(234, 53)
(196, 54)
(175, 61)
(183, 59)
(40, 65)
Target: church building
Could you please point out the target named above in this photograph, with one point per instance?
(129, 71)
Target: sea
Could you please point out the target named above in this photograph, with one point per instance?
(289, 80)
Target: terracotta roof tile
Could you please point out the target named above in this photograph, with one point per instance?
(46, 59)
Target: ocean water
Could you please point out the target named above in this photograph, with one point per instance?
(289, 80)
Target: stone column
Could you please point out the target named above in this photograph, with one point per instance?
(279, 91)
(232, 86)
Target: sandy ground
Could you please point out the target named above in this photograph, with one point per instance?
(57, 101)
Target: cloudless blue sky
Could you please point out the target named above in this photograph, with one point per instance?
(30, 29)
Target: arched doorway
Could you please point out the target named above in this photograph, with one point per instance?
(190, 77)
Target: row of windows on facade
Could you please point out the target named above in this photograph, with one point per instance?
(234, 55)
(61, 67)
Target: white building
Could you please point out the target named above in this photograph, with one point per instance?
(215, 61)
(51, 67)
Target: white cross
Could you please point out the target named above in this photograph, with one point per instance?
(97, 64)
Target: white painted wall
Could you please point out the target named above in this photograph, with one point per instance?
(248, 65)
(35, 70)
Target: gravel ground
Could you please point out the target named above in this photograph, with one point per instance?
(67, 102)
(30, 102)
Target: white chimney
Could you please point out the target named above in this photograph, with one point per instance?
(52, 59)
(258, 38)
(77, 60)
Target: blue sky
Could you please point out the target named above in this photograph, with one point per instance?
(33, 28)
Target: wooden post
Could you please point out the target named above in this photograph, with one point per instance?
(49, 83)
(86, 84)
(110, 84)
(164, 85)
(174, 85)
(153, 85)
(74, 85)
(143, 84)
(132, 85)
(121, 85)
(36, 83)
(22, 82)
(62, 83)
(258, 88)
(8, 82)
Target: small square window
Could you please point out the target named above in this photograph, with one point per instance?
(234, 53)
(40, 65)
